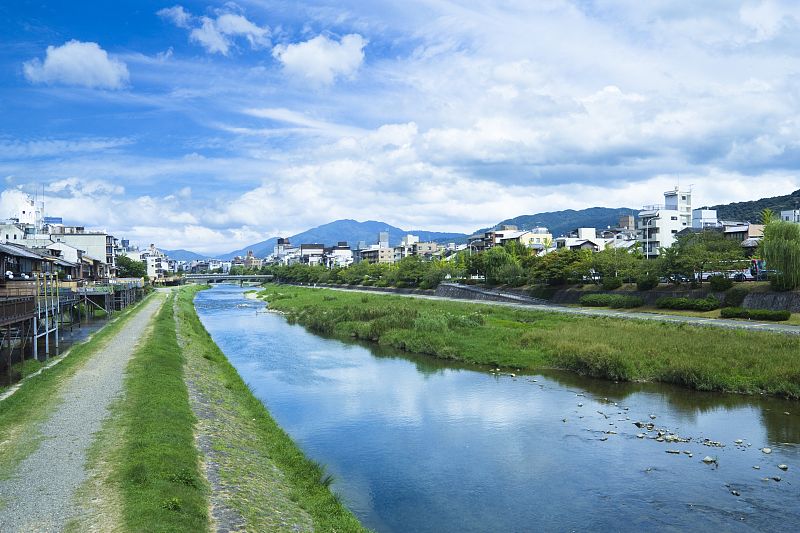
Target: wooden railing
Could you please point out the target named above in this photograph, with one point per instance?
(17, 308)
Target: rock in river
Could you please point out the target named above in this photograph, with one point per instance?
(766, 450)
(709, 460)
(784, 467)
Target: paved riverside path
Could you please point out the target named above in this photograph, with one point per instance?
(39, 497)
(612, 313)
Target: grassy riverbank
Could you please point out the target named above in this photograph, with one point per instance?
(696, 357)
(155, 465)
(22, 412)
(263, 476)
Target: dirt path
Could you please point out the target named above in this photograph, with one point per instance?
(39, 497)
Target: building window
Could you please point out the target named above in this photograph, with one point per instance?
(674, 231)
(673, 218)
(683, 198)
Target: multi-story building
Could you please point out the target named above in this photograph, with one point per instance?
(338, 256)
(659, 224)
(312, 254)
(704, 218)
(98, 244)
(251, 261)
(793, 215)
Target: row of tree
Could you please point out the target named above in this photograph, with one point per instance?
(687, 260)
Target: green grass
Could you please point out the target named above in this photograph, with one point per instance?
(156, 467)
(250, 444)
(22, 412)
(702, 358)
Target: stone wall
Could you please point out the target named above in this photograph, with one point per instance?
(471, 292)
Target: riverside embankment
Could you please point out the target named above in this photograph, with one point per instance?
(702, 358)
(148, 428)
(424, 444)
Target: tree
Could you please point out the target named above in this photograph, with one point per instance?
(130, 268)
(616, 263)
(781, 249)
(767, 216)
(707, 251)
(496, 261)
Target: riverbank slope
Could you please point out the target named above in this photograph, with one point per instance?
(697, 357)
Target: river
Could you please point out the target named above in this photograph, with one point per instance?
(416, 444)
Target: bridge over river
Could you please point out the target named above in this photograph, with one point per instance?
(223, 278)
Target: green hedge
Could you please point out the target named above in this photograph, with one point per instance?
(691, 304)
(615, 301)
(755, 314)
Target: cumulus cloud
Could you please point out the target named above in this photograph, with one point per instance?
(322, 59)
(77, 63)
(217, 34)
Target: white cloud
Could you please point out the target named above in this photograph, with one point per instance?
(177, 15)
(321, 59)
(209, 36)
(216, 34)
(78, 63)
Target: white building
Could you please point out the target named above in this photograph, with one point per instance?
(659, 224)
(792, 215)
(704, 218)
(339, 256)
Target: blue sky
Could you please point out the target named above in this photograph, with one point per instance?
(212, 125)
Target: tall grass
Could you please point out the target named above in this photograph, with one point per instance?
(701, 358)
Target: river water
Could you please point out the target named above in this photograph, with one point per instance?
(419, 445)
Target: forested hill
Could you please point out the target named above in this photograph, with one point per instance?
(751, 211)
(562, 222)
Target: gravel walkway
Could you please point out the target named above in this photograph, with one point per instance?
(40, 495)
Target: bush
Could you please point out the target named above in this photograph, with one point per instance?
(735, 297)
(755, 314)
(647, 282)
(616, 301)
(720, 283)
(689, 304)
(734, 312)
(609, 283)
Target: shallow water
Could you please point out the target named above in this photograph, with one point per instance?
(417, 444)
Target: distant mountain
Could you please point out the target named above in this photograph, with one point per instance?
(563, 222)
(751, 211)
(183, 255)
(348, 230)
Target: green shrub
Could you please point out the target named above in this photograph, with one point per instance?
(769, 314)
(647, 282)
(610, 283)
(720, 283)
(615, 301)
(401, 284)
(689, 304)
(735, 297)
(734, 312)
(755, 314)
